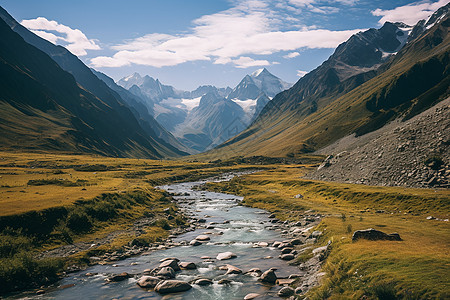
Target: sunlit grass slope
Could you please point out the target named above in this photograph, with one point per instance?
(416, 267)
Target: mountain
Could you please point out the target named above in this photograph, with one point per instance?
(211, 123)
(372, 78)
(142, 114)
(62, 112)
(261, 81)
(194, 118)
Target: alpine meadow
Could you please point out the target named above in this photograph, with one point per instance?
(229, 149)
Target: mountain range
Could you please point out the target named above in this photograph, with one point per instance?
(208, 116)
(51, 100)
(376, 76)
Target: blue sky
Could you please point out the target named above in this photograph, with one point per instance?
(191, 43)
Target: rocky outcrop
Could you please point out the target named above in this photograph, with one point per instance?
(414, 153)
(374, 235)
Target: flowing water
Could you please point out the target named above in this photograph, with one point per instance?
(236, 229)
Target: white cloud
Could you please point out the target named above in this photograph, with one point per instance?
(409, 14)
(301, 73)
(249, 28)
(291, 55)
(73, 39)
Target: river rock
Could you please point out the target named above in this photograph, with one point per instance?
(251, 296)
(286, 250)
(172, 286)
(298, 291)
(118, 277)
(284, 281)
(269, 276)
(195, 243)
(256, 272)
(203, 281)
(232, 270)
(148, 282)
(168, 258)
(187, 265)
(224, 281)
(170, 263)
(203, 238)
(375, 235)
(276, 244)
(286, 292)
(295, 242)
(287, 256)
(167, 272)
(263, 244)
(226, 255)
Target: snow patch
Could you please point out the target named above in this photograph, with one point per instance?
(247, 105)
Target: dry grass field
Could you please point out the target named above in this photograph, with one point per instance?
(415, 268)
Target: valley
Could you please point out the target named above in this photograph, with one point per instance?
(119, 186)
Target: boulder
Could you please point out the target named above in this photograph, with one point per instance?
(286, 292)
(269, 276)
(251, 296)
(256, 272)
(118, 277)
(148, 282)
(375, 235)
(166, 272)
(195, 243)
(170, 263)
(172, 286)
(203, 281)
(226, 255)
(187, 265)
(288, 256)
(203, 238)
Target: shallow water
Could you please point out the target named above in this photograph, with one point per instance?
(246, 226)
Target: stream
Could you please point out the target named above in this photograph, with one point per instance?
(231, 227)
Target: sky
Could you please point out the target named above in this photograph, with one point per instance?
(188, 43)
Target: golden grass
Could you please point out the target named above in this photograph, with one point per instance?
(416, 267)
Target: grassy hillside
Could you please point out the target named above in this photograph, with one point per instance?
(414, 268)
(294, 123)
(43, 107)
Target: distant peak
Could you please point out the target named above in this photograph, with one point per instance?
(135, 75)
(259, 72)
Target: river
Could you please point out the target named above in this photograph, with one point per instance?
(231, 227)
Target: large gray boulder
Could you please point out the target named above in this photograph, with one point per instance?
(374, 235)
(172, 286)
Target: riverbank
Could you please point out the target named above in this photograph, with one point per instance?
(59, 211)
(415, 267)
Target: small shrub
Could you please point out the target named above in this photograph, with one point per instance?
(349, 228)
(79, 221)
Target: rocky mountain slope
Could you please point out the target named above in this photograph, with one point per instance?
(44, 107)
(354, 91)
(208, 116)
(414, 153)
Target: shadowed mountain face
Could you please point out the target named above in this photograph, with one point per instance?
(208, 116)
(143, 125)
(374, 77)
(43, 107)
